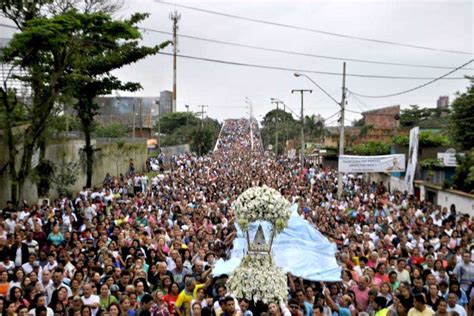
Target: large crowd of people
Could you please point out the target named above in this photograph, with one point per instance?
(139, 246)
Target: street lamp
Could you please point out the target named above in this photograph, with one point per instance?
(297, 74)
(341, 104)
(187, 114)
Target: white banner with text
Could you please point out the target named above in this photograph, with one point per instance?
(384, 163)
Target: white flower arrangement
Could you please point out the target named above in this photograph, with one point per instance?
(259, 279)
(262, 203)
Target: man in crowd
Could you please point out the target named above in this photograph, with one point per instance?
(166, 237)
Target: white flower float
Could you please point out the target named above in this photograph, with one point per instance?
(258, 278)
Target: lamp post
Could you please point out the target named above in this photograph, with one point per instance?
(302, 91)
(187, 115)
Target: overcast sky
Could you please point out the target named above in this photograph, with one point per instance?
(438, 24)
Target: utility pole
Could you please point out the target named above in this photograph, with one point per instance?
(286, 128)
(302, 91)
(133, 133)
(202, 114)
(187, 115)
(159, 126)
(249, 102)
(277, 102)
(175, 17)
(341, 131)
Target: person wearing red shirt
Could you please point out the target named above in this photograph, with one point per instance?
(416, 258)
(171, 297)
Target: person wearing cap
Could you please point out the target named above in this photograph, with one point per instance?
(419, 307)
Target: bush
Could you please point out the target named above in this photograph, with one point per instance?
(430, 164)
(432, 139)
(427, 139)
(372, 148)
(401, 140)
(111, 130)
(464, 174)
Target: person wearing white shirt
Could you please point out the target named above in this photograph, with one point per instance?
(41, 302)
(31, 264)
(90, 299)
(89, 212)
(52, 263)
(45, 279)
(23, 214)
(33, 246)
(453, 306)
(402, 274)
(57, 283)
(10, 223)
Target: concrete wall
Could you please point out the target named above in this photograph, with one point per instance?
(383, 118)
(463, 202)
(170, 151)
(109, 157)
(397, 184)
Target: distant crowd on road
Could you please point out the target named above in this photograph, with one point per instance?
(140, 246)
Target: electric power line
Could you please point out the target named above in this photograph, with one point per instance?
(299, 70)
(306, 71)
(9, 26)
(376, 114)
(293, 111)
(414, 88)
(331, 116)
(283, 51)
(315, 30)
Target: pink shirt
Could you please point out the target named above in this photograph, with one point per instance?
(361, 297)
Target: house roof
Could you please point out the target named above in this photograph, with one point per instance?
(334, 130)
(391, 109)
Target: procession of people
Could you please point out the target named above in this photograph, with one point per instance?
(140, 246)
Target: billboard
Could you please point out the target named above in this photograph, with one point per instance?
(412, 159)
(382, 163)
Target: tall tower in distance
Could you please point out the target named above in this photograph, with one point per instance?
(443, 102)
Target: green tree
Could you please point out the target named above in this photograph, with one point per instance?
(314, 127)
(106, 45)
(462, 118)
(111, 130)
(463, 178)
(65, 175)
(288, 128)
(423, 117)
(172, 121)
(202, 139)
(185, 128)
(44, 49)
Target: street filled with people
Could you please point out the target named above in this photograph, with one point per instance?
(147, 246)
